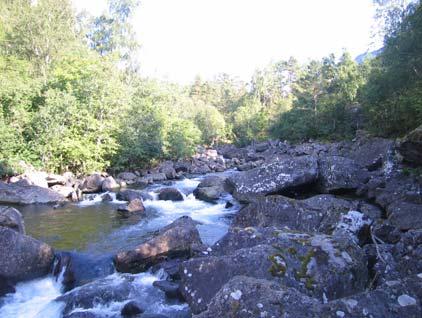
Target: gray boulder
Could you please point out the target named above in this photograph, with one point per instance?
(23, 257)
(279, 175)
(167, 168)
(129, 195)
(210, 189)
(134, 206)
(395, 298)
(411, 147)
(170, 194)
(320, 266)
(93, 183)
(247, 297)
(109, 184)
(127, 176)
(178, 239)
(12, 218)
(17, 194)
(320, 213)
(339, 174)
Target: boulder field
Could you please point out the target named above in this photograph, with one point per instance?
(325, 230)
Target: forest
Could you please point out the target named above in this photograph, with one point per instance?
(72, 96)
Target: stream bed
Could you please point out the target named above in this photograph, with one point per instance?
(92, 231)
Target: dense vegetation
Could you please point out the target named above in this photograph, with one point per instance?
(72, 97)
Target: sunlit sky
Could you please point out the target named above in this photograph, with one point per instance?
(184, 38)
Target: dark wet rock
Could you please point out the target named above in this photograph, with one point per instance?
(134, 206)
(320, 266)
(12, 218)
(228, 205)
(411, 147)
(171, 267)
(23, 257)
(146, 315)
(106, 197)
(171, 289)
(109, 184)
(340, 174)
(93, 183)
(85, 314)
(15, 194)
(6, 287)
(170, 194)
(127, 176)
(395, 298)
(129, 195)
(244, 297)
(64, 267)
(130, 309)
(210, 189)
(386, 232)
(182, 166)
(100, 292)
(281, 174)
(179, 239)
(320, 213)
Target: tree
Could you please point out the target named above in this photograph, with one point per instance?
(212, 124)
(37, 32)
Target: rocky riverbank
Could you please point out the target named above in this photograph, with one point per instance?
(326, 230)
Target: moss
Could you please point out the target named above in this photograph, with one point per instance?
(309, 283)
(292, 251)
(304, 265)
(279, 266)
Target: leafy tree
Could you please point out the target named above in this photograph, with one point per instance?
(212, 124)
(183, 138)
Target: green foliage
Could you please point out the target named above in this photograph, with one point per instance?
(183, 138)
(393, 95)
(212, 124)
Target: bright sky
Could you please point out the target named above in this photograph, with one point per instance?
(183, 38)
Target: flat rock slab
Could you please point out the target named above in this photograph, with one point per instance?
(281, 174)
(18, 194)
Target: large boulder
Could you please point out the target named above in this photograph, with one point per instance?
(170, 194)
(278, 176)
(320, 266)
(22, 256)
(411, 147)
(134, 206)
(167, 168)
(129, 195)
(109, 184)
(179, 239)
(93, 183)
(320, 213)
(247, 297)
(210, 189)
(340, 174)
(12, 218)
(127, 176)
(401, 197)
(17, 194)
(396, 298)
(37, 178)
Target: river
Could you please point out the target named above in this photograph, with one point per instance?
(92, 231)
